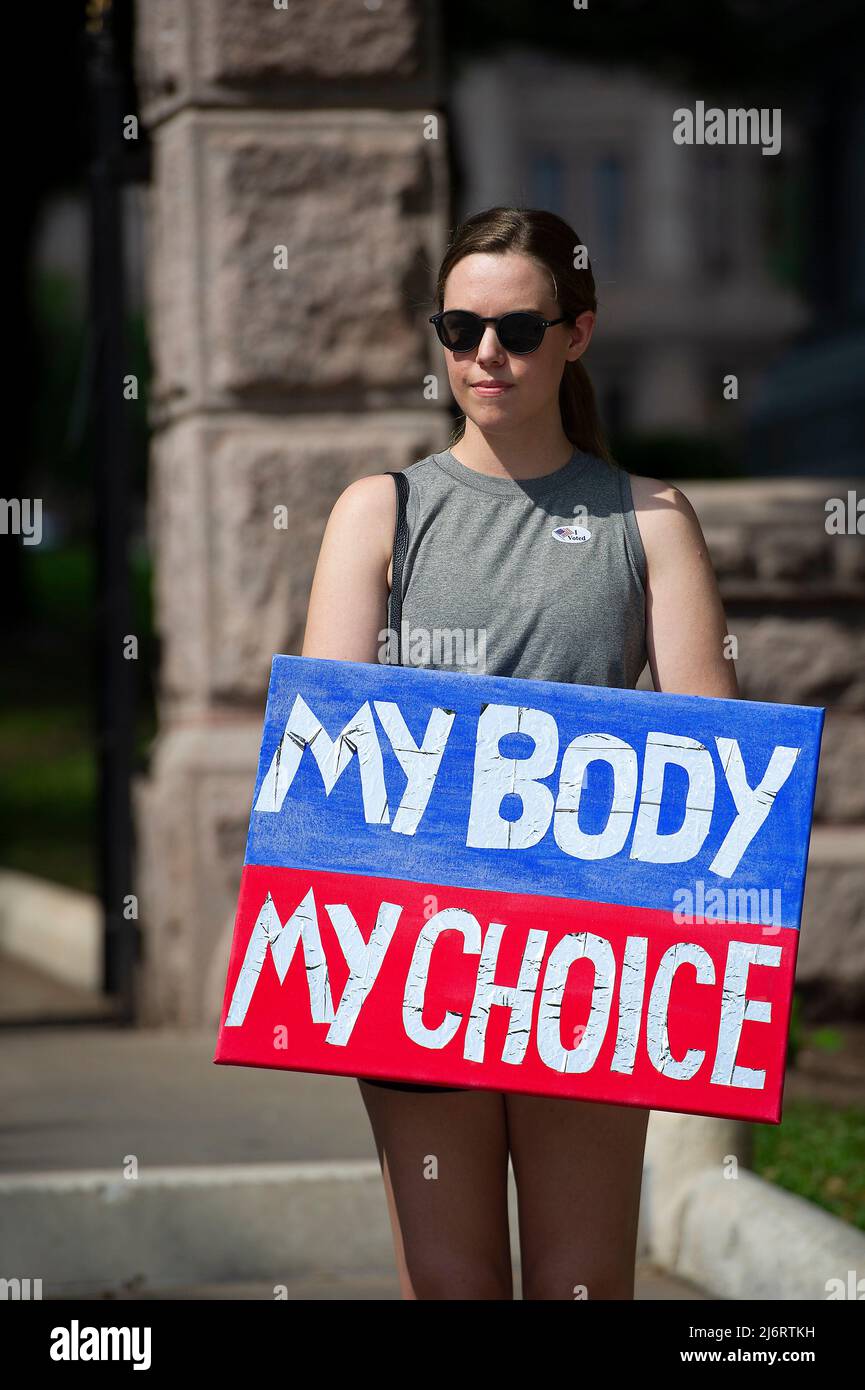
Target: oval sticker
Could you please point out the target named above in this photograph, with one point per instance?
(571, 534)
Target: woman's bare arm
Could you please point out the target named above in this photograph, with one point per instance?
(685, 622)
(348, 599)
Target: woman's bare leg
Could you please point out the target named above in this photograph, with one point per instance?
(578, 1167)
(444, 1160)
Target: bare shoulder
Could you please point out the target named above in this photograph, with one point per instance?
(364, 515)
(660, 500)
(667, 521)
(686, 629)
(371, 499)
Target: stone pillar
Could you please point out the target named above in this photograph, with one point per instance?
(297, 213)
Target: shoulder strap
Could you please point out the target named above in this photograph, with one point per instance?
(400, 545)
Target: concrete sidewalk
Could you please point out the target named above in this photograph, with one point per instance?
(84, 1097)
(652, 1285)
(219, 1150)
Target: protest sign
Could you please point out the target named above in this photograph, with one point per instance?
(523, 885)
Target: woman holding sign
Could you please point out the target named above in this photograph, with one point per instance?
(554, 564)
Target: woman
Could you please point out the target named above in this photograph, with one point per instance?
(630, 582)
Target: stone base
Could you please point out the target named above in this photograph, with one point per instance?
(193, 815)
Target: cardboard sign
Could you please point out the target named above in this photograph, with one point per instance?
(523, 885)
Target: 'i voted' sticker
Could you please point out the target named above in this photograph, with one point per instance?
(572, 534)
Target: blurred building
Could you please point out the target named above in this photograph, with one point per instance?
(689, 245)
(809, 416)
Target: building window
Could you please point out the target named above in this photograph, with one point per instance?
(547, 177)
(716, 190)
(783, 217)
(609, 200)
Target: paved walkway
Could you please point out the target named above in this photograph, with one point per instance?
(651, 1285)
(76, 1098)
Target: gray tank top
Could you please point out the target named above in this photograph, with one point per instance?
(542, 578)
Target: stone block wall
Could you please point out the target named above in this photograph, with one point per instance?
(297, 212)
(794, 595)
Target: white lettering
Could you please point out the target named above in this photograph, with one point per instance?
(753, 804)
(684, 843)
(496, 776)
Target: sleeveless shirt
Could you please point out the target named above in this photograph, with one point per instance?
(538, 577)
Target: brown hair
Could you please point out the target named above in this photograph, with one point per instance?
(552, 243)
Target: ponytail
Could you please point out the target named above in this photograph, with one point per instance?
(581, 419)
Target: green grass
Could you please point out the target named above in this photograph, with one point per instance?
(47, 804)
(818, 1152)
(60, 588)
(48, 773)
(48, 764)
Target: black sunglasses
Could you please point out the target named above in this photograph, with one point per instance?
(460, 330)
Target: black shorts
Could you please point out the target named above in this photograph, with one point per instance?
(407, 1085)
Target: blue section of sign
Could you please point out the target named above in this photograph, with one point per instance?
(319, 830)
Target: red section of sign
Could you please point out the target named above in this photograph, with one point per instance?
(737, 1016)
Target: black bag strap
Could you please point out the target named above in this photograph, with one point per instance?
(400, 545)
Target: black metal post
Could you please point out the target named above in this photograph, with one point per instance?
(114, 667)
